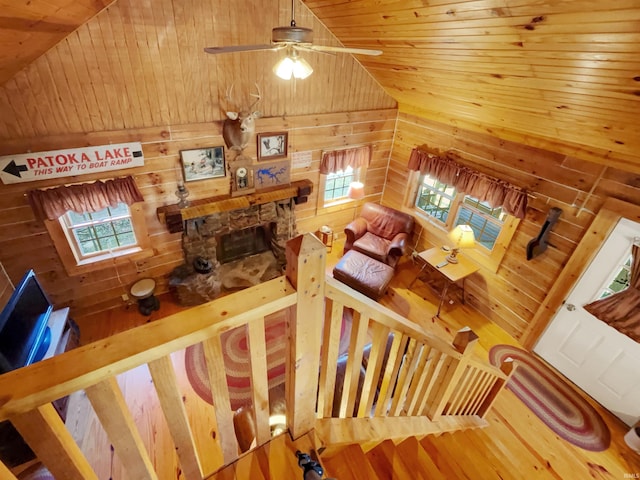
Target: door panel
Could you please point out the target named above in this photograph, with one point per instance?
(596, 357)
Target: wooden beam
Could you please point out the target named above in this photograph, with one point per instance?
(45, 433)
(306, 263)
(108, 402)
(174, 217)
(175, 413)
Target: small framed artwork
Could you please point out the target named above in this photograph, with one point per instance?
(202, 163)
(272, 145)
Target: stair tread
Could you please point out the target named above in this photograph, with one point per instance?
(475, 462)
(447, 464)
(350, 463)
(387, 461)
(274, 460)
(416, 457)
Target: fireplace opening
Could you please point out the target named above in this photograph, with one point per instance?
(242, 243)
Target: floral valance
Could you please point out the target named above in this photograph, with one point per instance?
(82, 198)
(336, 160)
(495, 192)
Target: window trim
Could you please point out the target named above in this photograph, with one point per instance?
(74, 266)
(435, 231)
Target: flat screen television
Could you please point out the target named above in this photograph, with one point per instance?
(24, 335)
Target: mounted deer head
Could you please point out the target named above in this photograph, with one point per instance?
(239, 126)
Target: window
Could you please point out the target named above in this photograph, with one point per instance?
(337, 184)
(447, 208)
(620, 281)
(485, 220)
(83, 240)
(107, 230)
(435, 198)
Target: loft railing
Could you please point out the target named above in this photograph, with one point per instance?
(411, 383)
(423, 375)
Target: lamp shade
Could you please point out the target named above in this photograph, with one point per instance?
(292, 65)
(356, 190)
(462, 237)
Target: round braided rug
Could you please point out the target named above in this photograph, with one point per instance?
(553, 400)
(236, 361)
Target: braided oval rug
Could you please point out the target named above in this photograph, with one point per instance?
(553, 400)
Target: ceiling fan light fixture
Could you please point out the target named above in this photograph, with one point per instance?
(292, 66)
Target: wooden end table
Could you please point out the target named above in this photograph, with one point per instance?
(451, 272)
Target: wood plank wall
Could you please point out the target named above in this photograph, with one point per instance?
(511, 296)
(140, 65)
(25, 243)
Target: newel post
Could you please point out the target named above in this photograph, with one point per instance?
(306, 261)
(464, 342)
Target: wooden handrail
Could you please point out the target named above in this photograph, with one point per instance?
(87, 365)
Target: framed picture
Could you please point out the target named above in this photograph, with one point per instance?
(272, 145)
(202, 163)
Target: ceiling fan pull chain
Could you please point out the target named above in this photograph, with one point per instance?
(293, 14)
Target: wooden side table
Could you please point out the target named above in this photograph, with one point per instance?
(326, 237)
(451, 272)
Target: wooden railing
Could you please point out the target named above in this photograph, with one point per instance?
(410, 375)
(423, 375)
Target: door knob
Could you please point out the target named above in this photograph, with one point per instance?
(570, 306)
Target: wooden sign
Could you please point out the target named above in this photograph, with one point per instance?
(29, 167)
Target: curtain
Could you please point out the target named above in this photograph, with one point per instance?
(496, 193)
(622, 310)
(52, 203)
(335, 160)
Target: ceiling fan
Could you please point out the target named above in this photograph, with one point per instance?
(293, 39)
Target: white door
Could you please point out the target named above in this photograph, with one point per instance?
(600, 360)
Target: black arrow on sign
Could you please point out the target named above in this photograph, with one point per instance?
(14, 169)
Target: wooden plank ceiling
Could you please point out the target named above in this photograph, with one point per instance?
(559, 75)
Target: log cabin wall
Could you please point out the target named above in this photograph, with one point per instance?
(133, 73)
(25, 242)
(512, 295)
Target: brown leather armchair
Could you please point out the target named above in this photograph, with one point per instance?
(379, 232)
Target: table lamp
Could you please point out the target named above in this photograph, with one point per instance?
(461, 237)
(356, 190)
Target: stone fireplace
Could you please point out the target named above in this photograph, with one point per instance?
(240, 248)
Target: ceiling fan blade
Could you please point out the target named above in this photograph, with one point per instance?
(241, 48)
(325, 48)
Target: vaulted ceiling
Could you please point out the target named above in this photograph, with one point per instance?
(563, 75)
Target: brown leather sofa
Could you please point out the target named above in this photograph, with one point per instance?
(379, 232)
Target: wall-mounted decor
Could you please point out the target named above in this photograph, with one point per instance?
(272, 174)
(539, 244)
(272, 145)
(29, 167)
(241, 177)
(202, 163)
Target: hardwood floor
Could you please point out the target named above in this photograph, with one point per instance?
(515, 445)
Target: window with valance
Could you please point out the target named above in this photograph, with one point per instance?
(494, 192)
(339, 168)
(450, 194)
(92, 222)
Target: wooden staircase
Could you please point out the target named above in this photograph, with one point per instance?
(413, 384)
(430, 458)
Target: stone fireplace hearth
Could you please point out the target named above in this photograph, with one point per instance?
(243, 247)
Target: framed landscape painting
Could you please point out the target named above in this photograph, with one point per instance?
(202, 163)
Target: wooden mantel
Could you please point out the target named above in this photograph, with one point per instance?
(174, 217)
